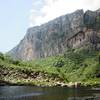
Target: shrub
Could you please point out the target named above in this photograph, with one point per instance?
(1, 56)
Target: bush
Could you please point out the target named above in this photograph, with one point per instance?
(1, 56)
(59, 63)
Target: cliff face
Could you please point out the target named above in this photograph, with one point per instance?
(52, 38)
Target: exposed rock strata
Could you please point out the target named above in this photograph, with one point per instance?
(71, 30)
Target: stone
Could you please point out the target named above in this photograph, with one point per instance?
(52, 38)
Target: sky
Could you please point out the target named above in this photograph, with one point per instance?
(16, 16)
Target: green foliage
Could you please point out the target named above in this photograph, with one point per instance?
(59, 61)
(72, 66)
(1, 56)
(98, 20)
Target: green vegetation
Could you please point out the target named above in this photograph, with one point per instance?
(98, 21)
(75, 65)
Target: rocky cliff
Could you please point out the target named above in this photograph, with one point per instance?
(52, 38)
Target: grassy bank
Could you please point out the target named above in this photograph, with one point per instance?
(73, 66)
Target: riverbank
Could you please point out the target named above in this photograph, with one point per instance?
(56, 84)
(74, 68)
(14, 77)
(70, 85)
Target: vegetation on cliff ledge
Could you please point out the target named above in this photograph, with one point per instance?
(75, 65)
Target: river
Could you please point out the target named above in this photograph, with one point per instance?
(48, 93)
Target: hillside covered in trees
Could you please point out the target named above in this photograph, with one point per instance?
(75, 65)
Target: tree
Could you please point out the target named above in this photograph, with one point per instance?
(1, 56)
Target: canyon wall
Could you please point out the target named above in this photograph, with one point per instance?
(52, 38)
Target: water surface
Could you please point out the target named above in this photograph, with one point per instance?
(47, 93)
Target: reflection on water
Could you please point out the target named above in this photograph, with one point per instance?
(47, 93)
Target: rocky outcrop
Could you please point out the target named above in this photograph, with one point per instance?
(52, 38)
(89, 34)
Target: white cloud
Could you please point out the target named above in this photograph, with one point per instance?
(45, 10)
